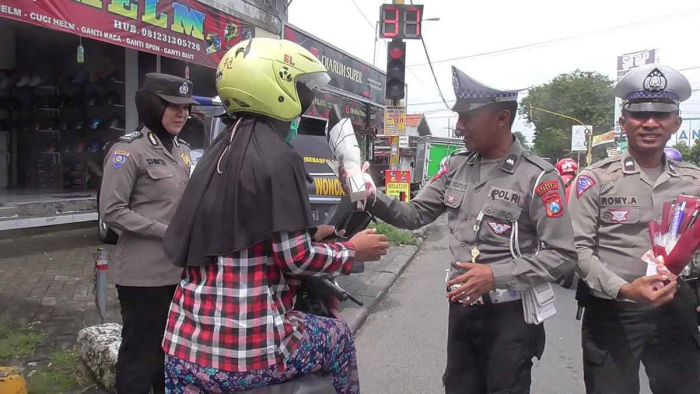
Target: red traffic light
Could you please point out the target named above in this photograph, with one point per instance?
(396, 53)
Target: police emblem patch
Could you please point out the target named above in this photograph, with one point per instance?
(619, 215)
(582, 184)
(184, 89)
(499, 228)
(119, 158)
(655, 81)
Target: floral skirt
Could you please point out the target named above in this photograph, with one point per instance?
(327, 347)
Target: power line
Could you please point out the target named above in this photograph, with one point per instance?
(556, 40)
(371, 25)
(432, 71)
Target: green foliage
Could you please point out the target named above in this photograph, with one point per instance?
(691, 155)
(396, 236)
(586, 96)
(17, 343)
(60, 377)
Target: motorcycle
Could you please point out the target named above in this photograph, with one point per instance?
(321, 296)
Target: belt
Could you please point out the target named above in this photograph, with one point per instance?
(498, 296)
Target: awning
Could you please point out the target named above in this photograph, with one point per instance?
(184, 29)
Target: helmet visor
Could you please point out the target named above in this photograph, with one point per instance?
(308, 86)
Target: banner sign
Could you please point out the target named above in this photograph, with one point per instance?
(395, 121)
(579, 136)
(604, 138)
(180, 29)
(347, 73)
(398, 184)
(353, 109)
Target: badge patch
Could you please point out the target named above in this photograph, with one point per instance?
(152, 139)
(619, 215)
(505, 195)
(186, 159)
(584, 183)
(499, 228)
(546, 187)
(119, 158)
(450, 199)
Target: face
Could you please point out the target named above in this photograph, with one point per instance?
(174, 117)
(648, 132)
(479, 126)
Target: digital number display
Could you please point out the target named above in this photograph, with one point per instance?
(400, 21)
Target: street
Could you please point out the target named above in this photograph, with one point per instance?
(401, 346)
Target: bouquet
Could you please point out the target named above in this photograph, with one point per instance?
(343, 144)
(677, 237)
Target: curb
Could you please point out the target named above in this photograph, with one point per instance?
(355, 315)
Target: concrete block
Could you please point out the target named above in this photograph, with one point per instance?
(98, 347)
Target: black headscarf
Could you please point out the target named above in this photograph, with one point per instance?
(240, 193)
(151, 108)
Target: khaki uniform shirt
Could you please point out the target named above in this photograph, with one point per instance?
(524, 233)
(611, 207)
(141, 189)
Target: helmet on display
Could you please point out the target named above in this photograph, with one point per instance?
(116, 122)
(94, 146)
(673, 154)
(567, 169)
(95, 123)
(112, 98)
(93, 99)
(271, 77)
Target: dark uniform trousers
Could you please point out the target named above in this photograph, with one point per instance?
(490, 349)
(141, 364)
(617, 335)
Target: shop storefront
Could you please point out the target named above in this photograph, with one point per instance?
(68, 73)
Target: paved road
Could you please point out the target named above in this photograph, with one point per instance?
(401, 347)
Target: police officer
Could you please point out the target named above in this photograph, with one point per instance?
(145, 174)
(629, 316)
(509, 231)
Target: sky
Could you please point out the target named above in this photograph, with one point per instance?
(515, 44)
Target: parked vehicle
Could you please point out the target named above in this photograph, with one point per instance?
(430, 152)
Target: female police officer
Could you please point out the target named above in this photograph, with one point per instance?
(144, 177)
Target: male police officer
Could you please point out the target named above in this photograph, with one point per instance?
(509, 232)
(630, 316)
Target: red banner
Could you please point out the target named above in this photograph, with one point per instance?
(184, 29)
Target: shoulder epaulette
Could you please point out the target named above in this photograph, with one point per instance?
(134, 135)
(538, 161)
(183, 142)
(685, 168)
(604, 163)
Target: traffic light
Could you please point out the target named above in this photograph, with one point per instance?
(395, 69)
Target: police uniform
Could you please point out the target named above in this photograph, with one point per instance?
(143, 181)
(513, 216)
(611, 206)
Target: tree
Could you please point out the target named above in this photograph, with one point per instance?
(587, 96)
(691, 155)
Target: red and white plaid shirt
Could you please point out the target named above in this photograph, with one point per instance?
(232, 315)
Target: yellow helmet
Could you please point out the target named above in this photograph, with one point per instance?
(261, 76)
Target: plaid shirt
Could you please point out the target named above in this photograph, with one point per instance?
(232, 315)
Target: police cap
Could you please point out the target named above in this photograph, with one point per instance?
(472, 94)
(653, 88)
(170, 88)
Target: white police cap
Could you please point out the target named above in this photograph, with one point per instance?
(472, 94)
(653, 88)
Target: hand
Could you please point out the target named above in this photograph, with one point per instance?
(369, 246)
(369, 182)
(655, 290)
(327, 233)
(478, 280)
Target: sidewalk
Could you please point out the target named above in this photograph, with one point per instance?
(46, 281)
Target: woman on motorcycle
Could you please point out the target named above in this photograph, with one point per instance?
(244, 235)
